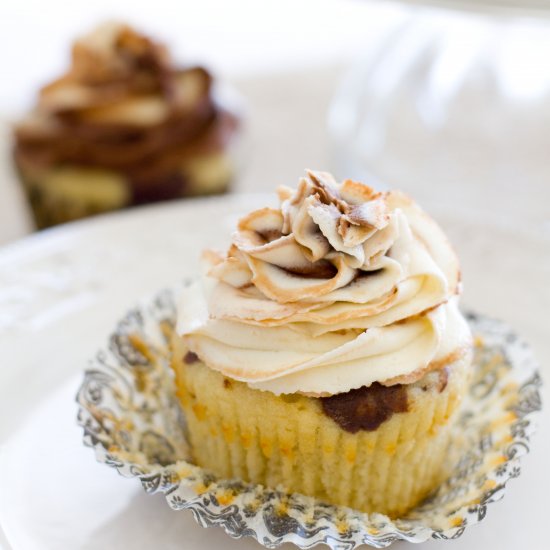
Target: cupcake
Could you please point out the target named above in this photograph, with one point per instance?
(122, 127)
(324, 353)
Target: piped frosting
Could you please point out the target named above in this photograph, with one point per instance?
(339, 287)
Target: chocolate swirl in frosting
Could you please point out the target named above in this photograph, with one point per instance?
(338, 288)
(123, 106)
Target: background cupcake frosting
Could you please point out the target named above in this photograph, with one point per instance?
(123, 126)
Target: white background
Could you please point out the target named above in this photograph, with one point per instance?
(236, 37)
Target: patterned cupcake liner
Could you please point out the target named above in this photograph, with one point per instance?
(132, 419)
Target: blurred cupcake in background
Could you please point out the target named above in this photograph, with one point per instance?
(122, 127)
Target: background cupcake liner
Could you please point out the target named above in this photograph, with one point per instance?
(131, 418)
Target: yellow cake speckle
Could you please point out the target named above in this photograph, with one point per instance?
(457, 521)
(199, 410)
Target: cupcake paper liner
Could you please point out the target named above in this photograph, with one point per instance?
(132, 419)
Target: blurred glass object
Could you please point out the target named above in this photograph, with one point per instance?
(453, 106)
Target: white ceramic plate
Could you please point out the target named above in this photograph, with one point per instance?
(61, 293)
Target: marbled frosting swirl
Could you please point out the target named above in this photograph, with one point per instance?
(338, 288)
